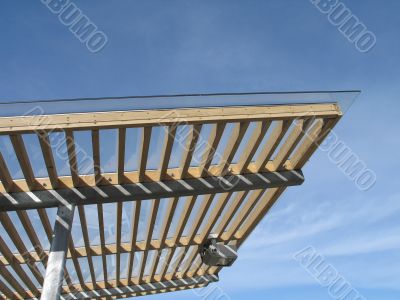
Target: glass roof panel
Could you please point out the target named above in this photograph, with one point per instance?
(63, 106)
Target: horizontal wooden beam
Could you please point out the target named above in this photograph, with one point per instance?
(145, 287)
(148, 190)
(140, 118)
(109, 249)
(64, 182)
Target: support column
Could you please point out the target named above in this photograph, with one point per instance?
(53, 280)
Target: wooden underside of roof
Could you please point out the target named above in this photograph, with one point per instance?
(284, 138)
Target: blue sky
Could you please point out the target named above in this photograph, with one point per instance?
(160, 47)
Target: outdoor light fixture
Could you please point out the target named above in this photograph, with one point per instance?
(218, 255)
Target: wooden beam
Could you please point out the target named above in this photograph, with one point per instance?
(23, 159)
(20, 245)
(276, 137)
(120, 172)
(73, 164)
(121, 154)
(146, 288)
(134, 231)
(243, 214)
(102, 240)
(144, 151)
(149, 232)
(85, 234)
(20, 292)
(238, 132)
(114, 119)
(149, 190)
(6, 252)
(189, 149)
(253, 144)
(169, 214)
(211, 147)
(5, 176)
(187, 209)
(167, 149)
(48, 158)
(100, 217)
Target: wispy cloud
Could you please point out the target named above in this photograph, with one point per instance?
(354, 234)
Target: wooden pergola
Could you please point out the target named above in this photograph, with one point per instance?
(231, 197)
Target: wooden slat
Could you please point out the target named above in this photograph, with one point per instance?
(100, 215)
(149, 232)
(189, 149)
(4, 289)
(96, 155)
(102, 240)
(5, 176)
(85, 234)
(19, 244)
(268, 149)
(144, 151)
(197, 268)
(70, 143)
(6, 252)
(75, 261)
(134, 231)
(205, 205)
(118, 240)
(189, 203)
(14, 283)
(217, 210)
(211, 146)
(48, 158)
(73, 164)
(23, 159)
(31, 233)
(243, 214)
(312, 144)
(121, 154)
(120, 172)
(183, 252)
(265, 203)
(170, 212)
(253, 144)
(238, 132)
(166, 151)
(196, 265)
(231, 212)
(46, 223)
(309, 138)
(187, 209)
(290, 144)
(190, 260)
